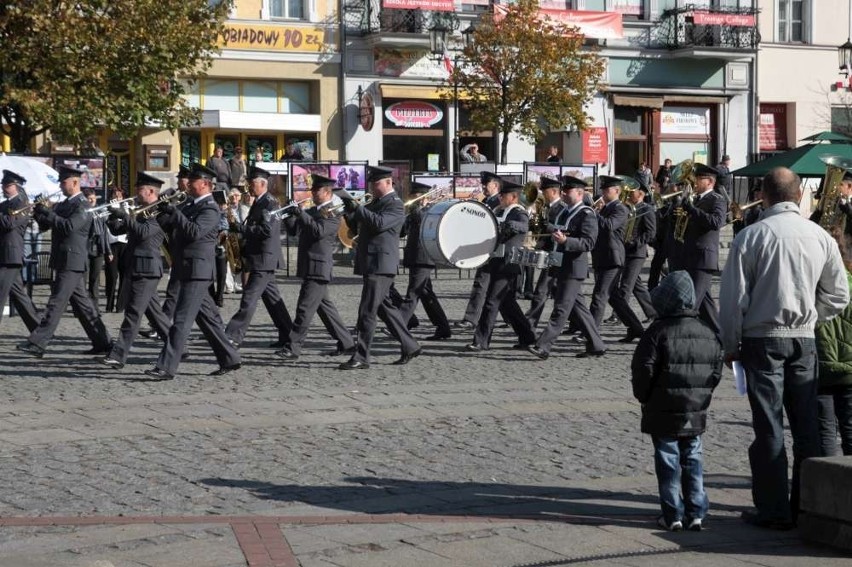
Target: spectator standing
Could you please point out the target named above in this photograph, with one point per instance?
(664, 175)
(218, 164)
(292, 153)
(675, 368)
(644, 174)
(553, 156)
(725, 181)
(783, 275)
(470, 154)
(114, 268)
(258, 155)
(239, 170)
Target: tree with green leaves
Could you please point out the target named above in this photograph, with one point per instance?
(525, 72)
(71, 67)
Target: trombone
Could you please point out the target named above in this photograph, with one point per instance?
(737, 209)
(41, 199)
(151, 211)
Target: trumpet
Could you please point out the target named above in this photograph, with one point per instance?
(432, 196)
(103, 211)
(41, 199)
(290, 208)
(151, 211)
(660, 200)
(737, 209)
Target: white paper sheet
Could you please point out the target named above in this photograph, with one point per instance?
(739, 377)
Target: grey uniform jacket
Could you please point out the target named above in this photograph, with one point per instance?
(262, 236)
(609, 248)
(317, 238)
(644, 232)
(141, 257)
(582, 231)
(414, 254)
(195, 231)
(70, 223)
(12, 229)
(512, 232)
(700, 248)
(378, 227)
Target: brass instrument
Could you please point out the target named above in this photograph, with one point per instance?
(430, 197)
(345, 233)
(660, 200)
(45, 200)
(152, 210)
(231, 242)
(830, 213)
(683, 175)
(628, 186)
(537, 208)
(103, 211)
(737, 209)
(290, 208)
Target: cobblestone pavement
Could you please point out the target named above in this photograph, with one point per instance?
(492, 459)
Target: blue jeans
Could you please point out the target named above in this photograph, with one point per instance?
(781, 375)
(835, 414)
(680, 470)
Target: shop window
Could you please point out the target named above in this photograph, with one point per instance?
(260, 97)
(190, 147)
(791, 21)
(595, 5)
(679, 151)
(292, 9)
(629, 121)
(841, 120)
(631, 9)
(296, 98)
(221, 95)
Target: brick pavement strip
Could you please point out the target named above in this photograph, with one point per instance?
(436, 452)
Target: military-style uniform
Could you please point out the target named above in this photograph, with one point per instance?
(194, 232)
(261, 234)
(607, 256)
(12, 229)
(314, 263)
(581, 227)
(545, 280)
(636, 250)
(143, 268)
(420, 266)
(70, 222)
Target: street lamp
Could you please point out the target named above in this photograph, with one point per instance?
(844, 55)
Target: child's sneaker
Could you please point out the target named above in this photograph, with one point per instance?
(675, 526)
(695, 525)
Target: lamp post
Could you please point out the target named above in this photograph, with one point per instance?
(844, 56)
(438, 44)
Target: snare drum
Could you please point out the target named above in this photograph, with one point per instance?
(459, 233)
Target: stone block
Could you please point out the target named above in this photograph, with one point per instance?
(826, 501)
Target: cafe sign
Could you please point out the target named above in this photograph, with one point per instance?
(413, 114)
(272, 37)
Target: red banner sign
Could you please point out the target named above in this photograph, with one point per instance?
(434, 5)
(723, 19)
(596, 25)
(595, 146)
(772, 131)
(414, 114)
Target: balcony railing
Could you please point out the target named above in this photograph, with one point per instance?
(699, 27)
(368, 17)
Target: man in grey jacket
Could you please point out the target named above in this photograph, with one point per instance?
(783, 275)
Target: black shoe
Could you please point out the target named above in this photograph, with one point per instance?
(754, 518)
(406, 358)
(31, 348)
(111, 362)
(520, 346)
(466, 325)
(578, 339)
(185, 356)
(629, 338)
(612, 319)
(440, 336)
(590, 354)
(473, 347)
(649, 320)
(286, 354)
(354, 365)
(538, 352)
(98, 350)
(226, 369)
(413, 324)
(149, 334)
(339, 352)
(220, 303)
(159, 375)
(277, 344)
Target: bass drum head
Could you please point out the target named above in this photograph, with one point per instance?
(459, 233)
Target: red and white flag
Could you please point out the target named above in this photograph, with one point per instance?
(448, 63)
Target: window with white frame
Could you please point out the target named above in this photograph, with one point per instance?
(291, 9)
(792, 21)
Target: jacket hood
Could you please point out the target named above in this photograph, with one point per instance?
(675, 293)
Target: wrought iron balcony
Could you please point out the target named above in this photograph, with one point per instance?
(696, 27)
(368, 17)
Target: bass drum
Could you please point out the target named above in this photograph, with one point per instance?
(459, 233)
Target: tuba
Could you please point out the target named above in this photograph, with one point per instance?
(628, 186)
(830, 199)
(683, 175)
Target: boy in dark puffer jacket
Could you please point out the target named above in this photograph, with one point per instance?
(676, 366)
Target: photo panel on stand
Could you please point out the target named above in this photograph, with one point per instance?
(93, 172)
(587, 173)
(401, 176)
(468, 187)
(443, 185)
(301, 178)
(534, 171)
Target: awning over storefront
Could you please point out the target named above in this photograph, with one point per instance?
(639, 101)
(411, 91)
(696, 99)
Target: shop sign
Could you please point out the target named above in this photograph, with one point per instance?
(366, 112)
(688, 120)
(407, 63)
(413, 114)
(272, 38)
(596, 25)
(434, 5)
(772, 130)
(723, 19)
(595, 145)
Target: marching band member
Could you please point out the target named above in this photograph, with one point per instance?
(490, 188)
(376, 259)
(317, 237)
(577, 230)
(608, 253)
(194, 230)
(261, 251)
(143, 269)
(698, 254)
(643, 229)
(503, 276)
(420, 266)
(551, 190)
(70, 222)
(12, 229)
